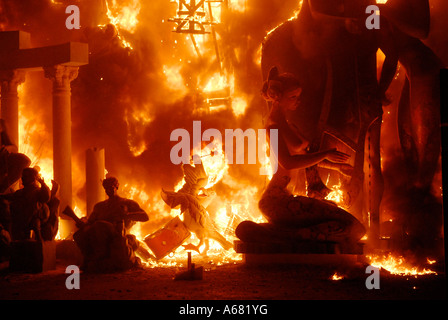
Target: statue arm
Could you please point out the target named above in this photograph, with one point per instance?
(387, 75)
(343, 168)
(289, 162)
(44, 192)
(136, 213)
(410, 16)
(141, 216)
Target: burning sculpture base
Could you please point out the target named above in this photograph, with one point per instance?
(267, 247)
(307, 252)
(32, 256)
(298, 225)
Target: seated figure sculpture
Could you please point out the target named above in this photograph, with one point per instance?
(28, 206)
(104, 238)
(11, 161)
(290, 217)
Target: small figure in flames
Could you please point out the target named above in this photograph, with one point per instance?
(193, 204)
(103, 238)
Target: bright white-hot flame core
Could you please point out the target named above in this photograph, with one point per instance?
(336, 277)
(238, 5)
(124, 15)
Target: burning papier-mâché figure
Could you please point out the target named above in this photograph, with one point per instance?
(33, 208)
(193, 206)
(11, 161)
(328, 47)
(104, 238)
(290, 217)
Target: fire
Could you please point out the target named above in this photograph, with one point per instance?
(214, 161)
(397, 265)
(174, 78)
(215, 170)
(216, 82)
(336, 195)
(124, 16)
(218, 86)
(137, 121)
(31, 131)
(135, 193)
(239, 106)
(61, 230)
(336, 277)
(238, 5)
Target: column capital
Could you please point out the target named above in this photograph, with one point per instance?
(61, 75)
(12, 78)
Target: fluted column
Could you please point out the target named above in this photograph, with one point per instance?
(61, 76)
(10, 80)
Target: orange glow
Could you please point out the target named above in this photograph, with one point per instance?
(218, 88)
(397, 265)
(124, 16)
(215, 167)
(336, 277)
(137, 121)
(336, 195)
(174, 78)
(238, 5)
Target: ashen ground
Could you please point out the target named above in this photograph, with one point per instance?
(227, 282)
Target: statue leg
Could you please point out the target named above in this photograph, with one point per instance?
(425, 123)
(374, 183)
(405, 132)
(419, 123)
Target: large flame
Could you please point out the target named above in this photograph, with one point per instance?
(217, 90)
(124, 15)
(33, 139)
